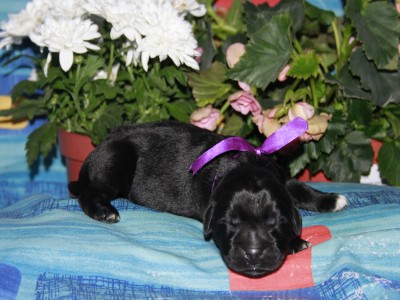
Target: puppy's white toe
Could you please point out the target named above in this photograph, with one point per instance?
(341, 202)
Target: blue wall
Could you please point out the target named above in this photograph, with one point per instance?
(9, 75)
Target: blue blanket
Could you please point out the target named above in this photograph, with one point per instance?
(50, 250)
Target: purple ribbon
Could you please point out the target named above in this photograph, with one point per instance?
(275, 142)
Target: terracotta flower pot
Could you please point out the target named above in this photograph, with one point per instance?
(75, 148)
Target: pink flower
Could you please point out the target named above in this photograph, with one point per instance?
(244, 102)
(233, 54)
(317, 127)
(205, 117)
(266, 122)
(302, 110)
(244, 86)
(283, 73)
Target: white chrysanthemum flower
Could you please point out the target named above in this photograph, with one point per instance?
(102, 74)
(66, 37)
(167, 35)
(97, 7)
(124, 15)
(131, 55)
(22, 24)
(69, 9)
(191, 6)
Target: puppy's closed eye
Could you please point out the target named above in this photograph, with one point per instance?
(270, 222)
(235, 221)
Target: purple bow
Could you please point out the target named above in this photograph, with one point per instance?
(275, 142)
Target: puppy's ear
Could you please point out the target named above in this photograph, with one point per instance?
(297, 221)
(208, 221)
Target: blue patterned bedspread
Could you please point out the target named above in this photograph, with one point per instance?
(50, 250)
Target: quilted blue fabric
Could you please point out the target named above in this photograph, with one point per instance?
(50, 250)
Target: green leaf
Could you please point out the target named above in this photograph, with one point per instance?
(234, 16)
(23, 87)
(304, 66)
(351, 158)
(181, 109)
(320, 89)
(103, 87)
(257, 16)
(324, 17)
(266, 54)
(54, 74)
(139, 89)
(40, 141)
(384, 85)
(360, 112)
(92, 65)
(160, 84)
(392, 112)
(389, 163)
(208, 85)
(111, 117)
(349, 84)
(25, 109)
(306, 153)
(378, 129)
(173, 74)
(298, 94)
(336, 130)
(378, 28)
(233, 125)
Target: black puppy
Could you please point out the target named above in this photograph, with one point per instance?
(247, 205)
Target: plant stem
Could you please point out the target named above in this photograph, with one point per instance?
(225, 107)
(222, 29)
(75, 95)
(337, 37)
(220, 22)
(111, 62)
(130, 72)
(313, 92)
(297, 47)
(291, 88)
(346, 49)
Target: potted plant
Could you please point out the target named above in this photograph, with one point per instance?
(259, 67)
(100, 64)
(340, 73)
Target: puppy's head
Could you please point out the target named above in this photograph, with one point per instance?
(252, 220)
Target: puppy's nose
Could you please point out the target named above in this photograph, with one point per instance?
(253, 254)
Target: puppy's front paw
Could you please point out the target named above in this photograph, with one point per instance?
(341, 202)
(298, 245)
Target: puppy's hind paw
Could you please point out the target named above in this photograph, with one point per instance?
(105, 213)
(341, 202)
(108, 217)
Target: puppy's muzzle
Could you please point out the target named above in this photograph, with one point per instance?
(253, 255)
(255, 262)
